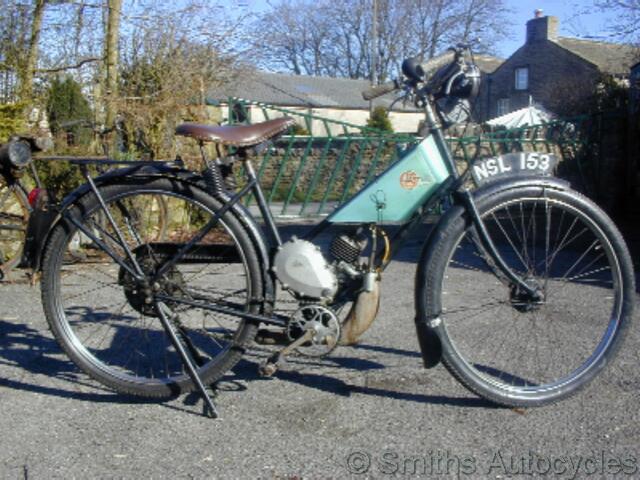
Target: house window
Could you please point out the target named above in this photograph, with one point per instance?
(522, 78)
(503, 106)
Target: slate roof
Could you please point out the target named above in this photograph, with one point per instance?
(612, 58)
(487, 63)
(297, 90)
(313, 92)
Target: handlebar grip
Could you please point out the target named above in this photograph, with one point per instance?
(431, 66)
(379, 90)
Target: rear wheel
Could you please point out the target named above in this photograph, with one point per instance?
(107, 322)
(499, 342)
(14, 217)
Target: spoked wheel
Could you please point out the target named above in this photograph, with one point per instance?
(107, 321)
(14, 216)
(151, 220)
(497, 340)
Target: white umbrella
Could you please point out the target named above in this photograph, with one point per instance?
(527, 116)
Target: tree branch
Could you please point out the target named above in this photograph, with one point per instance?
(68, 67)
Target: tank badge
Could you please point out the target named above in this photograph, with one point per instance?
(409, 180)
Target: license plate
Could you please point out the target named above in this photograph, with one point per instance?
(519, 164)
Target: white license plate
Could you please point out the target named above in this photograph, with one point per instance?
(520, 164)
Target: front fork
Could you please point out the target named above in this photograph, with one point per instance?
(485, 239)
(428, 338)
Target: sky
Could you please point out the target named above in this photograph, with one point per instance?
(575, 19)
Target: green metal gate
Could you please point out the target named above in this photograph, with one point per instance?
(322, 162)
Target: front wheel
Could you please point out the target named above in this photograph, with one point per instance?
(502, 344)
(107, 322)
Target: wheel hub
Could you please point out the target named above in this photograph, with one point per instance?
(140, 294)
(523, 301)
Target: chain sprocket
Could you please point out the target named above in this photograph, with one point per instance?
(323, 322)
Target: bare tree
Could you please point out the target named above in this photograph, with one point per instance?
(169, 59)
(626, 25)
(14, 37)
(334, 37)
(27, 72)
(111, 54)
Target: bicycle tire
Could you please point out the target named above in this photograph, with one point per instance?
(14, 217)
(473, 346)
(157, 370)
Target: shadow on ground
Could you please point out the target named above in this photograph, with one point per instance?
(27, 349)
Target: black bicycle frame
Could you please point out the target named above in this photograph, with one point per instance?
(453, 184)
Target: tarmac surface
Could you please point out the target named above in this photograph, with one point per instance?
(369, 411)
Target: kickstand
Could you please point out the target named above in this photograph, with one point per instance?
(187, 359)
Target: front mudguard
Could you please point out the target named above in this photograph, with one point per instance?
(35, 246)
(426, 320)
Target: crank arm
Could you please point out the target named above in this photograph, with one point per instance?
(271, 365)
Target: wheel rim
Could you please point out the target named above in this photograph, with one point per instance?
(94, 301)
(511, 343)
(14, 216)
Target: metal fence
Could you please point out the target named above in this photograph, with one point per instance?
(323, 161)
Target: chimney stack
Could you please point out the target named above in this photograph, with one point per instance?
(542, 28)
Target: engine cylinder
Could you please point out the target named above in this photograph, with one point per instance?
(347, 248)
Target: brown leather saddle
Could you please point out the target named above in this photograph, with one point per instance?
(236, 135)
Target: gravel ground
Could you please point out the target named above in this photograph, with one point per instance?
(368, 411)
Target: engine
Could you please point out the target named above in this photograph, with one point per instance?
(302, 268)
(348, 248)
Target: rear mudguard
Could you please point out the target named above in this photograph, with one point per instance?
(428, 338)
(35, 246)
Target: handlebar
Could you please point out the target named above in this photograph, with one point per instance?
(379, 90)
(432, 73)
(431, 66)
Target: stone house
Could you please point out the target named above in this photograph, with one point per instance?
(559, 73)
(331, 98)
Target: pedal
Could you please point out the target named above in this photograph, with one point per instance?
(271, 365)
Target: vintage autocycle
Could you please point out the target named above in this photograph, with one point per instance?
(524, 288)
